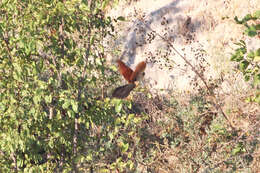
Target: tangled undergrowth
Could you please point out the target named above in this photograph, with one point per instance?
(194, 137)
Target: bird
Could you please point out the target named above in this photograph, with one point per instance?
(130, 76)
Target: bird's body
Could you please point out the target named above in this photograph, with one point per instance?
(131, 76)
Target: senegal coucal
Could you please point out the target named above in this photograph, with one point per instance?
(131, 76)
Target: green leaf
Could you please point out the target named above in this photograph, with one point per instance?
(237, 20)
(32, 111)
(89, 157)
(36, 99)
(111, 135)
(66, 104)
(104, 4)
(257, 53)
(60, 7)
(236, 150)
(118, 121)
(256, 14)
(48, 98)
(124, 147)
(118, 106)
(68, 43)
(257, 58)
(243, 65)
(104, 170)
(114, 68)
(244, 20)
(237, 57)
(257, 79)
(74, 106)
(92, 39)
(251, 55)
(20, 163)
(257, 27)
(137, 120)
(247, 77)
(251, 31)
(257, 98)
(121, 18)
(71, 113)
(129, 105)
(2, 107)
(239, 148)
(247, 18)
(80, 61)
(241, 43)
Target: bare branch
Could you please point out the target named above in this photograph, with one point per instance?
(211, 93)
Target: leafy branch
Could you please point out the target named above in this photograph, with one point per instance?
(248, 61)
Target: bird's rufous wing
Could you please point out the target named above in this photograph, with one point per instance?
(125, 70)
(131, 76)
(138, 70)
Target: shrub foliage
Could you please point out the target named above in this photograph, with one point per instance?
(53, 80)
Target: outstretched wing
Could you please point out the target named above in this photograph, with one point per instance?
(123, 91)
(131, 76)
(138, 70)
(125, 70)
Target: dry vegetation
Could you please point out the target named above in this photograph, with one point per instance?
(191, 136)
(186, 131)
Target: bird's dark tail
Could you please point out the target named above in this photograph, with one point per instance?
(123, 91)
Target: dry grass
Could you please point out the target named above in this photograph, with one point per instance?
(193, 137)
(183, 131)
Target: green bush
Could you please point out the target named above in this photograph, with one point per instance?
(53, 83)
(248, 61)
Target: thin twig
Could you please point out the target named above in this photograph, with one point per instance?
(13, 156)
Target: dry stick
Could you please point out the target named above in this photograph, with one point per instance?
(15, 162)
(216, 105)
